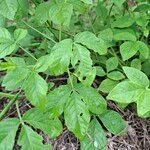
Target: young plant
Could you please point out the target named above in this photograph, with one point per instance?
(79, 40)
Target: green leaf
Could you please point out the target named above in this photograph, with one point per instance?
(123, 22)
(111, 64)
(8, 129)
(136, 76)
(40, 120)
(4, 35)
(7, 45)
(56, 100)
(43, 63)
(88, 81)
(101, 11)
(143, 103)
(77, 116)
(125, 92)
(87, 1)
(128, 49)
(113, 122)
(15, 76)
(136, 63)
(42, 12)
(143, 49)
(30, 140)
(91, 41)
(60, 57)
(35, 89)
(19, 34)
(115, 75)
(100, 71)
(78, 5)
(95, 138)
(107, 85)
(124, 34)
(8, 8)
(60, 13)
(95, 102)
(118, 3)
(107, 36)
(85, 65)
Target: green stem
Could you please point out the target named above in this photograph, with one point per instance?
(2, 94)
(27, 52)
(70, 80)
(5, 110)
(60, 34)
(19, 114)
(44, 35)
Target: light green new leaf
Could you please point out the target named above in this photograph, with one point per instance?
(95, 102)
(111, 64)
(115, 75)
(128, 49)
(124, 34)
(107, 85)
(4, 35)
(60, 13)
(125, 92)
(76, 115)
(8, 129)
(19, 34)
(56, 100)
(113, 122)
(35, 89)
(136, 76)
(85, 65)
(40, 120)
(100, 71)
(8, 8)
(95, 138)
(136, 63)
(91, 41)
(30, 140)
(143, 103)
(16, 75)
(123, 22)
(60, 57)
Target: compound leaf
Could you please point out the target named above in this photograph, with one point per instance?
(77, 116)
(30, 140)
(136, 76)
(60, 57)
(95, 102)
(95, 138)
(40, 120)
(8, 129)
(111, 64)
(8, 8)
(91, 41)
(35, 89)
(125, 92)
(113, 122)
(143, 103)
